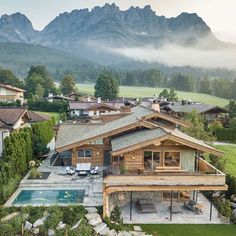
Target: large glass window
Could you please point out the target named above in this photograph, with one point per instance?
(151, 160)
(172, 159)
(82, 153)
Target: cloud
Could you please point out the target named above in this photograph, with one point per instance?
(176, 55)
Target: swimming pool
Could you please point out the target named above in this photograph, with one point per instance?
(49, 197)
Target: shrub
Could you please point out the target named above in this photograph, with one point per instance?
(117, 227)
(56, 215)
(115, 214)
(225, 208)
(34, 173)
(35, 213)
(43, 105)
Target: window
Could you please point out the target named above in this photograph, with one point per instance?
(172, 159)
(151, 159)
(83, 153)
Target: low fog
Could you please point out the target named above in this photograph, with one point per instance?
(175, 55)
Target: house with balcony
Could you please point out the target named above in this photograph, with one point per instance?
(145, 158)
(10, 94)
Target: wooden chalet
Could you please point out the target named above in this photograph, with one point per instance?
(208, 112)
(144, 153)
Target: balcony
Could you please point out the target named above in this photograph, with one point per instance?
(206, 177)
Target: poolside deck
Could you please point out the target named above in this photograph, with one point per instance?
(59, 180)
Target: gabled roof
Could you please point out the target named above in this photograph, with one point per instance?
(71, 134)
(10, 116)
(143, 138)
(6, 86)
(200, 108)
(37, 117)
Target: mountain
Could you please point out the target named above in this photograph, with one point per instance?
(97, 34)
(16, 28)
(99, 31)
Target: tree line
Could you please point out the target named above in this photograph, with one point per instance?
(39, 83)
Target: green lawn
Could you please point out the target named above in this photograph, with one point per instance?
(190, 230)
(230, 154)
(128, 91)
(55, 114)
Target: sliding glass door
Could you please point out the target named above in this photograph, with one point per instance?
(151, 160)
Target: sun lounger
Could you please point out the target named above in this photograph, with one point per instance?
(94, 171)
(69, 171)
(145, 206)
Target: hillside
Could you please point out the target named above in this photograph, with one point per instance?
(19, 57)
(126, 91)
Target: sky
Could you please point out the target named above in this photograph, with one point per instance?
(218, 14)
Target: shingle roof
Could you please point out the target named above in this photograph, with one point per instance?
(136, 137)
(11, 115)
(200, 108)
(12, 88)
(36, 117)
(69, 134)
(89, 105)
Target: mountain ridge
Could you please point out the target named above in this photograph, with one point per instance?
(94, 34)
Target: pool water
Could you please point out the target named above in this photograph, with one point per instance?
(43, 197)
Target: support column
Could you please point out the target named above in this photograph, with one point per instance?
(74, 157)
(105, 203)
(131, 203)
(211, 206)
(171, 204)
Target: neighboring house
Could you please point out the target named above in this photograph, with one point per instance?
(16, 118)
(145, 154)
(83, 109)
(87, 98)
(208, 112)
(52, 98)
(11, 119)
(9, 93)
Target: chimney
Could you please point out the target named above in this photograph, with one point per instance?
(99, 99)
(89, 99)
(50, 95)
(124, 109)
(155, 106)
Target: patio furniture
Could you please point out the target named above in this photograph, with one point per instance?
(82, 173)
(83, 167)
(193, 206)
(145, 206)
(94, 171)
(69, 171)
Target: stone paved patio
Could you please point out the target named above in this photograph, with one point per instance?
(58, 179)
(162, 216)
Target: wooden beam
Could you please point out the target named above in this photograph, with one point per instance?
(113, 189)
(168, 118)
(195, 145)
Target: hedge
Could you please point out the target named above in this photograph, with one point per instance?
(17, 152)
(226, 135)
(44, 105)
(43, 130)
